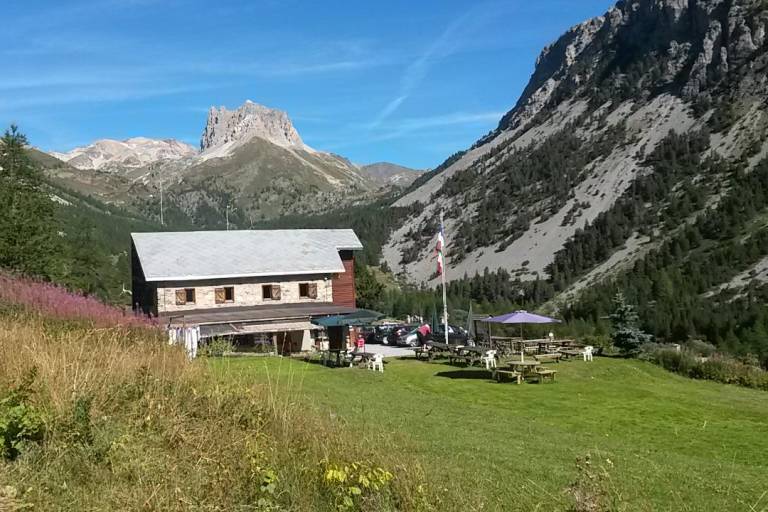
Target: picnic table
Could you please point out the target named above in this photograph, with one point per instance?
(436, 349)
(570, 352)
(329, 355)
(517, 369)
(361, 358)
(549, 357)
(467, 354)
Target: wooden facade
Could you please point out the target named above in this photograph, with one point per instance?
(343, 285)
(143, 293)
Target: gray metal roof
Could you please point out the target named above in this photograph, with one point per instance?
(193, 255)
(270, 313)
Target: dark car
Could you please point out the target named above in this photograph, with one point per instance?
(384, 334)
(405, 335)
(456, 335)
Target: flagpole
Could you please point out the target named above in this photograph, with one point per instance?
(442, 275)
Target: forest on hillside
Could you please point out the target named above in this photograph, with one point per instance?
(56, 234)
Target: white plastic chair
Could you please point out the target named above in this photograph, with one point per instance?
(377, 363)
(588, 352)
(489, 359)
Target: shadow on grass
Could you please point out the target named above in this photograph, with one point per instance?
(466, 374)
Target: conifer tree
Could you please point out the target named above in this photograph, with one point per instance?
(626, 336)
(28, 236)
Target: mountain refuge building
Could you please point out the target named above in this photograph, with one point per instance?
(259, 287)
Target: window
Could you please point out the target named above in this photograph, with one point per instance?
(270, 292)
(226, 294)
(308, 290)
(185, 296)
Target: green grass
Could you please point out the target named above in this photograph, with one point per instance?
(673, 443)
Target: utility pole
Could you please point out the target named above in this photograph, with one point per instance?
(162, 221)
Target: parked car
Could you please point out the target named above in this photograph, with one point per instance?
(405, 335)
(384, 334)
(456, 335)
(409, 338)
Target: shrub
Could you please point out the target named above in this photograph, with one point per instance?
(57, 302)
(20, 421)
(356, 483)
(216, 347)
(700, 347)
(717, 368)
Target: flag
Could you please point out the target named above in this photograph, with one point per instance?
(439, 249)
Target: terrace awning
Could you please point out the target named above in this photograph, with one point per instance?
(211, 331)
(359, 317)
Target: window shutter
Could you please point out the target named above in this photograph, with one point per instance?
(220, 298)
(312, 290)
(181, 297)
(275, 292)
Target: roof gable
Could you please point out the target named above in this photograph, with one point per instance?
(195, 255)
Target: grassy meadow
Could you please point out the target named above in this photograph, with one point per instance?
(656, 441)
(112, 418)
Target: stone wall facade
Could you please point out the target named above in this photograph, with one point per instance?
(247, 292)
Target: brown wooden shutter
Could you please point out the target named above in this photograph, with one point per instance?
(220, 297)
(312, 290)
(275, 292)
(181, 297)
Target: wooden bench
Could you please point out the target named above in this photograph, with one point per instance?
(454, 358)
(545, 374)
(500, 375)
(549, 358)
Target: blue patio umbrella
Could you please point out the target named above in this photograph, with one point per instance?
(522, 317)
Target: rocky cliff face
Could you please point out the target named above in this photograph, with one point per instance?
(228, 129)
(601, 99)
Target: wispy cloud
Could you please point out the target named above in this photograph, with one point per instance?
(444, 45)
(407, 127)
(98, 95)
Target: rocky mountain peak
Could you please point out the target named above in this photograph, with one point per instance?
(642, 47)
(226, 129)
(129, 153)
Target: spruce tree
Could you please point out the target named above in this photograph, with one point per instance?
(626, 336)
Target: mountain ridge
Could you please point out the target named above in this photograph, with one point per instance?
(252, 162)
(618, 85)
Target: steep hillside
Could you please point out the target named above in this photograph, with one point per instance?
(610, 107)
(392, 175)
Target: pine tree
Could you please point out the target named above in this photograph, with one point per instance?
(626, 336)
(369, 289)
(28, 236)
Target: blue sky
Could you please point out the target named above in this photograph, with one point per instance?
(401, 81)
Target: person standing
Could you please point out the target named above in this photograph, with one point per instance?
(424, 333)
